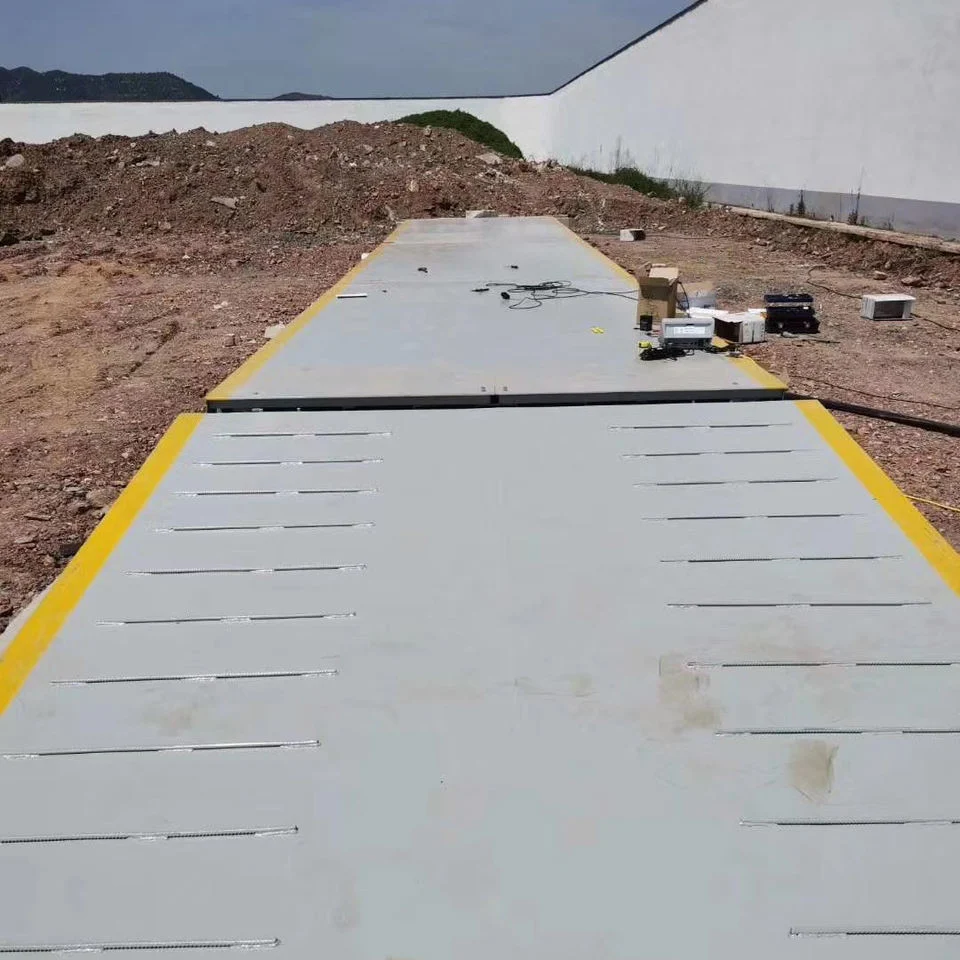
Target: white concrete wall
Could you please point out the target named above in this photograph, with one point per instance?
(42, 122)
(760, 98)
(826, 95)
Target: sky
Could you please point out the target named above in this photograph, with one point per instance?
(344, 48)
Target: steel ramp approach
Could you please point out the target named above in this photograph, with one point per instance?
(410, 327)
(620, 681)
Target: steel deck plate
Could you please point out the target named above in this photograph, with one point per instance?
(405, 337)
(516, 682)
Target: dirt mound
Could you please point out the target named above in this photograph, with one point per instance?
(351, 182)
(340, 180)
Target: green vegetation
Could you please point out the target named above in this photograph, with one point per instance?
(23, 85)
(633, 178)
(692, 191)
(470, 126)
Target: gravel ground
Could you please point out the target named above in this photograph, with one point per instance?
(101, 348)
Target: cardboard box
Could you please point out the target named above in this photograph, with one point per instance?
(658, 293)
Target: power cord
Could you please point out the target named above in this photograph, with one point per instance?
(875, 396)
(534, 295)
(663, 353)
(934, 503)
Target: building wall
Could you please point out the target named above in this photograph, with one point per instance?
(763, 98)
(854, 102)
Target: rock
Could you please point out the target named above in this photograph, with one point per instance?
(16, 161)
(428, 131)
(413, 186)
(101, 497)
(229, 202)
(274, 330)
(148, 163)
(480, 214)
(366, 148)
(77, 507)
(231, 341)
(164, 226)
(66, 549)
(912, 281)
(632, 233)
(8, 238)
(27, 538)
(41, 517)
(880, 275)
(493, 159)
(210, 143)
(169, 330)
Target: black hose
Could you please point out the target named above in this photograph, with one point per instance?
(921, 423)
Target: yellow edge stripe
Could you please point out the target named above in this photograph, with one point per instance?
(750, 367)
(228, 387)
(753, 369)
(38, 632)
(610, 264)
(911, 521)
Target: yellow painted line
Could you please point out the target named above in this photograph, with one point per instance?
(227, 388)
(610, 264)
(911, 521)
(40, 628)
(753, 370)
(750, 367)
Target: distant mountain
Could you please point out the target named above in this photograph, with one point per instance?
(302, 96)
(23, 85)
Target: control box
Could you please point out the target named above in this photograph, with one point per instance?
(688, 333)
